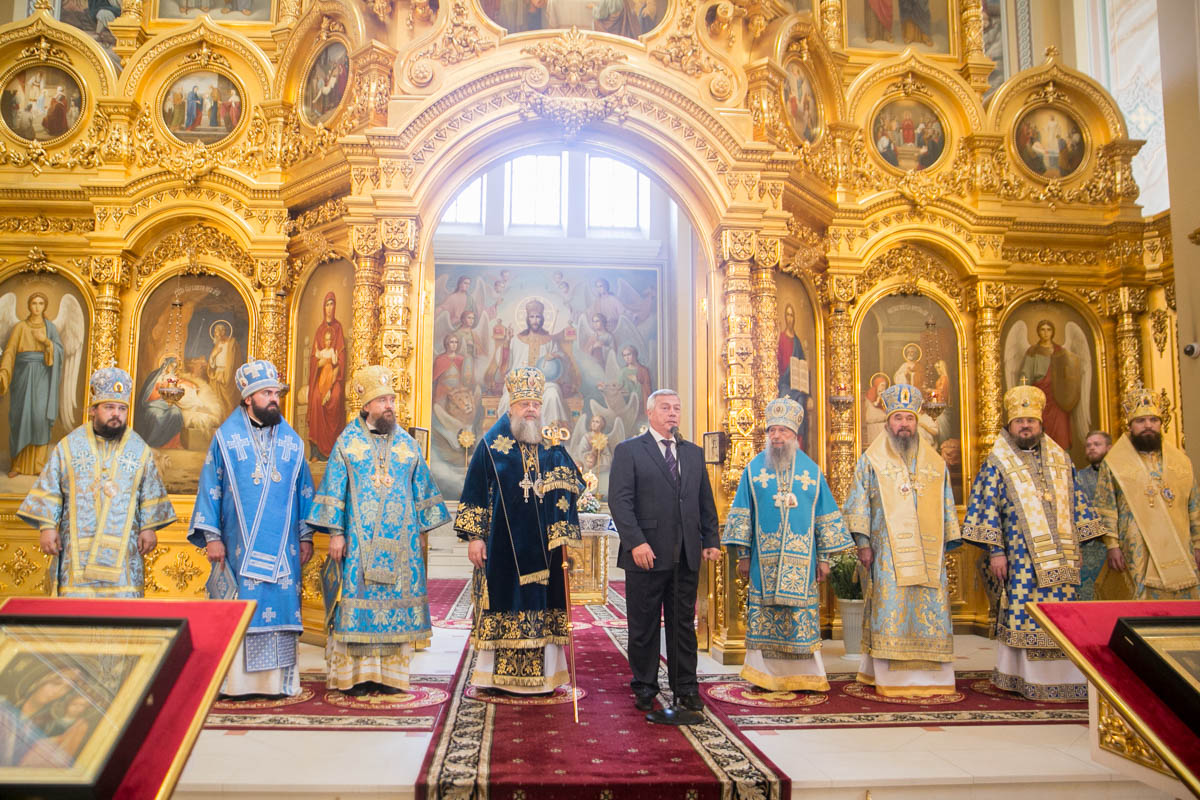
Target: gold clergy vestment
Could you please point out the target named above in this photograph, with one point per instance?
(1160, 512)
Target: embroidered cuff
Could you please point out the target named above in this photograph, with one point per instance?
(211, 536)
(982, 534)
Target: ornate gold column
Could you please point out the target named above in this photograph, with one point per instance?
(737, 253)
(989, 383)
(271, 280)
(831, 23)
(842, 292)
(109, 273)
(766, 334)
(978, 66)
(368, 285)
(1125, 305)
(400, 247)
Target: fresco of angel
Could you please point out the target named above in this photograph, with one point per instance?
(592, 443)
(40, 372)
(1062, 371)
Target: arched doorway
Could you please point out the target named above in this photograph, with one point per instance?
(578, 262)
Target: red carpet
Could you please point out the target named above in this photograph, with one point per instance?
(852, 705)
(449, 602)
(318, 708)
(537, 752)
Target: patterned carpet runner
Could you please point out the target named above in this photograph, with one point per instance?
(849, 704)
(535, 751)
(318, 708)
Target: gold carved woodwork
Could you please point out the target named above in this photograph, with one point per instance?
(1158, 328)
(189, 242)
(1125, 305)
(992, 297)
(40, 224)
(912, 265)
(461, 41)
(1117, 737)
(399, 238)
(831, 23)
(766, 327)
(840, 352)
(575, 83)
(737, 249)
(685, 52)
(368, 286)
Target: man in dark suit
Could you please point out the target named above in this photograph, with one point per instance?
(662, 504)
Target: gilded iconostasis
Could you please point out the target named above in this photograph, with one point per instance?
(820, 199)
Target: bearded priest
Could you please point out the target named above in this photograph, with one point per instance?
(1029, 514)
(517, 511)
(901, 513)
(783, 526)
(378, 503)
(254, 495)
(1147, 496)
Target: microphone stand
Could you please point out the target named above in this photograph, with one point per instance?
(676, 714)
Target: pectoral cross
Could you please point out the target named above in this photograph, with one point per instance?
(526, 484)
(381, 479)
(1151, 491)
(239, 443)
(785, 500)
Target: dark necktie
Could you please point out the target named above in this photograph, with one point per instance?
(672, 464)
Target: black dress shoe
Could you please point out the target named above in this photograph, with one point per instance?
(644, 702)
(691, 702)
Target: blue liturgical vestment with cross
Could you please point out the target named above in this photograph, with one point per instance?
(379, 493)
(260, 520)
(784, 544)
(98, 529)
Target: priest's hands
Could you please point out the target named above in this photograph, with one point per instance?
(822, 571)
(337, 547)
(306, 551)
(1116, 559)
(711, 554)
(999, 567)
(477, 552)
(214, 551)
(865, 556)
(147, 540)
(643, 555)
(743, 568)
(49, 542)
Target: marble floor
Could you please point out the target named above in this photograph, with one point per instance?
(1045, 762)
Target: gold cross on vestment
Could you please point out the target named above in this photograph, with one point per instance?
(763, 478)
(526, 484)
(805, 480)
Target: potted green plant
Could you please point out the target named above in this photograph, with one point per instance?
(844, 577)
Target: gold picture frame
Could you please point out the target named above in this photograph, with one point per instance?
(1165, 654)
(77, 696)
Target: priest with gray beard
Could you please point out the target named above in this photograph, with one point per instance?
(783, 527)
(900, 511)
(517, 511)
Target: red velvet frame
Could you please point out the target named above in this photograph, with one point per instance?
(216, 628)
(1083, 629)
